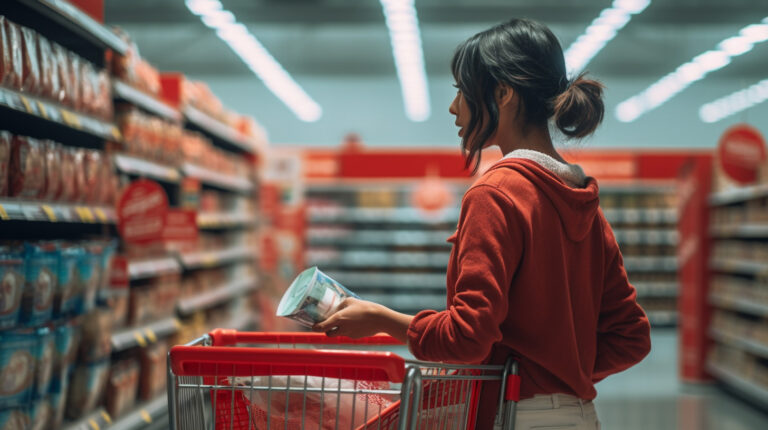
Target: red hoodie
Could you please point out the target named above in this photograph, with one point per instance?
(535, 272)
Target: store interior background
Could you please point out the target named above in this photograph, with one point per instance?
(339, 51)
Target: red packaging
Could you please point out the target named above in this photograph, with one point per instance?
(92, 176)
(14, 72)
(88, 86)
(27, 167)
(49, 77)
(104, 96)
(76, 95)
(53, 181)
(78, 175)
(5, 53)
(67, 189)
(61, 69)
(5, 159)
(30, 70)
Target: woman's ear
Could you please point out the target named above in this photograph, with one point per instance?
(504, 95)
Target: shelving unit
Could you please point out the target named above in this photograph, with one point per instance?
(143, 415)
(131, 337)
(225, 220)
(220, 132)
(218, 180)
(96, 419)
(208, 259)
(152, 267)
(138, 167)
(19, 210)
(216, 296)
(125, 92)
(740, 384)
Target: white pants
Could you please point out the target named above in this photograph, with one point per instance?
(556, 411)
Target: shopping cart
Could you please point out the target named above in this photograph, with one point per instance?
(242, 380)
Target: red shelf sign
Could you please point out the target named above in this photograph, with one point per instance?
(141, 212)
(741, 151)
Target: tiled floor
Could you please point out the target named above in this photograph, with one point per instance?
(650, 397)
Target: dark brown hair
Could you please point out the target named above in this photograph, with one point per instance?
(526, 56)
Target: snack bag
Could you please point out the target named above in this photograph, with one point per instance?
(52, 158)
(27, 167)
(67, 295)
(12, 276)
(67, 189)
(76, 95)
(5, 161)
(88, 86)
(61, 67)
(78, 175)
(41, 282)
(93, 162)
(96, 340)
(49, 77)
(86, 388)
(14, 70)
(17, 368)
(5, 55)
(30, 71)
(46, 345)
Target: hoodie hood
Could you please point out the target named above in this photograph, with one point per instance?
(577, 207)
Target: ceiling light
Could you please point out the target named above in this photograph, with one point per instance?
(734, 103)
(403, 25)
(692, 71)
(256, 57)
(600, 32)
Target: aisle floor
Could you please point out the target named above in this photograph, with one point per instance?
(649, 396)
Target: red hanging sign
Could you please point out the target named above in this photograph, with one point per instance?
(141, 212)
(740, 152)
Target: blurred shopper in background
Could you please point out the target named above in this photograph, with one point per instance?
(535, 271)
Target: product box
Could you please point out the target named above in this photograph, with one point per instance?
(12, 278)
(18, 351)
(86, 388)
(41, 282)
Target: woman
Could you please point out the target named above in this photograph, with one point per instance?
(535, 271)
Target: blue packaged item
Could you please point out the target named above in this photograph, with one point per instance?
(66, 340)
(40, 414)
(14, 419)
(41, 261)
(18, 351)
(12, 278)
(66, 297)
(86, 388)
(58, 405)
(88, 264)
(46, 345)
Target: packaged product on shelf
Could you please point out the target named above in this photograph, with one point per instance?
(103, 107)
(41, 260)
(41, 414)
(78, 175)
(153, 370)
(93, 162)
(12, 279)
(67, 189)
(52, 156)
(46, 346)
(58, 407)
(14, 419)
(86, 388)
(73, 66)
(96, 338)
(27, 167)
(5, 161)
(61, 67)
(49, 78)
(66, 297)
(140, 304)
(122, 387)
(14, 70)
(30, 71)
(66, 341)
(88, 271)
(5, 55)
(88, 86)
(17, 368)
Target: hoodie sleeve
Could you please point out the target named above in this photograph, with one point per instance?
(487, 260)
(623, 331)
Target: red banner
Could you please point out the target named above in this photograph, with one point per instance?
(141, 212)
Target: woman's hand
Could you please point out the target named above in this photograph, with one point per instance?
(357, 318)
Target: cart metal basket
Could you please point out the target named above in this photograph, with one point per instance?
(242, 380)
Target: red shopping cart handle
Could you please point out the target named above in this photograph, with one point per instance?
(227, 337)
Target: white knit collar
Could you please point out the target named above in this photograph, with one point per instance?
(572, 174)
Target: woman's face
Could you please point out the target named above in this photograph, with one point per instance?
(459, 109)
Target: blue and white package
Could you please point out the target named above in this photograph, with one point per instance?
(66, 340)
(18, 351)
(66, 297)
(17, 418)
(12, 277)
(46, 346)
(88, 264)
(41, 282)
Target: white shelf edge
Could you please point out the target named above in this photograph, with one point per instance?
(741, 305)
(149, 268)
(216, 296)
(135, 96)
(131, 337)
(140, 167)
(738, 266)
(738, 195)
(740, 383)
(749, 345)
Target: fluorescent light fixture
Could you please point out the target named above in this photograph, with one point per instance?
(600, 32)
(692, 71)
(734, 103)
(403, 25)
(256, 57)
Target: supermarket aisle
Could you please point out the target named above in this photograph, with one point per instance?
(649, 396)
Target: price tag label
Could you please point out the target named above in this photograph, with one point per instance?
(140, 339)
(43, 111)
(71, 119)
(209, 260)
(49, 213)
(55, 115)
(94, 425)
(150, 334)
(85, 214)
(106, 417)
(101, 215)
(28, 105)
(145, 416)
(115, 133)
(3, 214)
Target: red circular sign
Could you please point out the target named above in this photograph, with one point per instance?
(741, 150)
(141, 212)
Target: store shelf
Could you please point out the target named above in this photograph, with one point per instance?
(408, 302)
(740, 384)
(382, 215)
(662, 318)
(645, 237)
(389, 281)
(152, 267)
(218, 180)
(657, 289)
(219, 295)
(738, 195)
(96, 419)
(739, 304)
(743, 267)
(46, 113)
(142, 416)
(222, 133)
(644, 187)
(378, 259)
(650, 264)
(138, 167)
(222, 220)
(203, 259)
(22, 210)
(123, 91)
(752, 346)
(743, 231)
(140, 336)
(379, 238)
(78, 22)
(641, 216)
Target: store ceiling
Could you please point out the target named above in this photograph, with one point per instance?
(348, 37)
